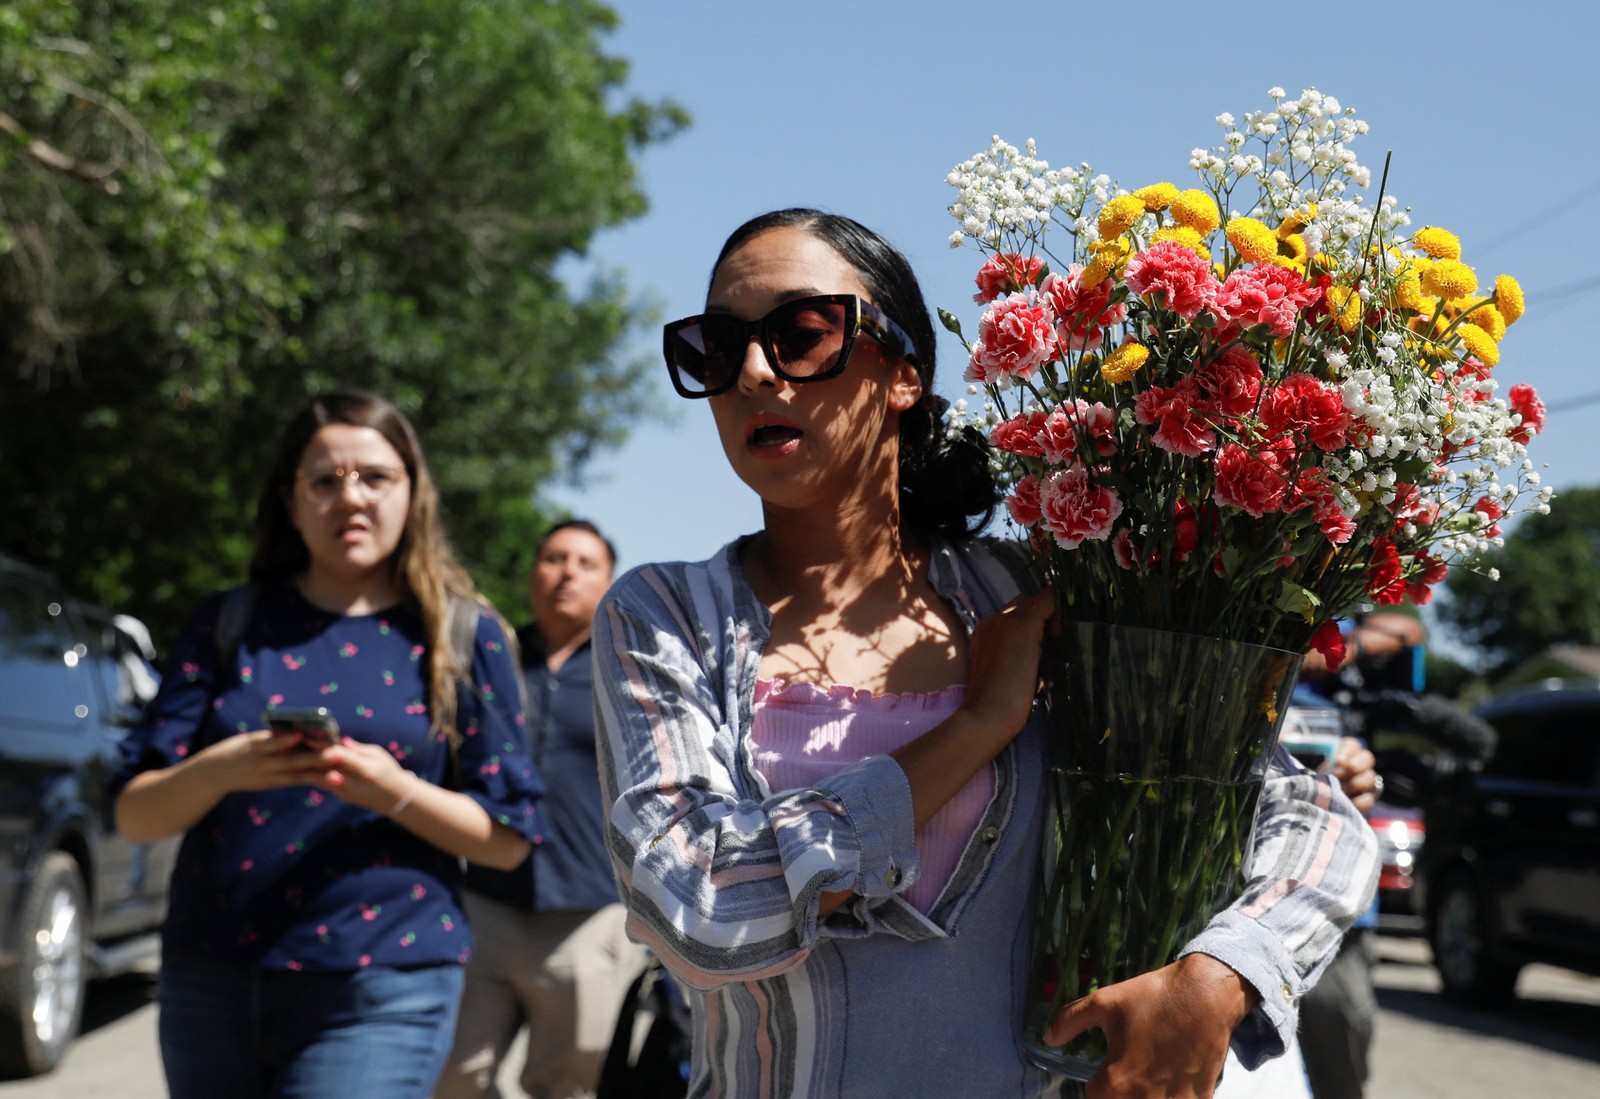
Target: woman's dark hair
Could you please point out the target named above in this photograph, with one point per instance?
(422, 563)
(946, 484)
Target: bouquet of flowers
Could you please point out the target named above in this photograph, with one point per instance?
(1231, 411)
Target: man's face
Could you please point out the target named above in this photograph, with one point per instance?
(571, 574)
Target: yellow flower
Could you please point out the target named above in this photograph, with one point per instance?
(1189, 238)
(1508, 298)
(1118, 216)
(1322, 263)
(1292, 250)
(1252, 240)
(1124, 362)
(1449, 278)
(1296, 221)
(1196, 210)
(1481, 313)
(1157, 196)
(1347, 307)
(1408, 291)
(1438, 243)
(1479, 344)
(1106, 258)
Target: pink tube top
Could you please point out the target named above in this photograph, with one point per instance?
(801, 734)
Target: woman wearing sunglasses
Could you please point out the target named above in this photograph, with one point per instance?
(819, 746)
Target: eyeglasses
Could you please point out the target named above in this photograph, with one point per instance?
(805, 340)
(371, 482)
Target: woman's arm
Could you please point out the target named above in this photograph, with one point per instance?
(724, 885)
(368, 775)
(1313, 871)
(164, 802)
(491, 819)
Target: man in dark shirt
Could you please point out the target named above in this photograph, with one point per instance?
(551, 949)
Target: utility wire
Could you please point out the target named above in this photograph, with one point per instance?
(1533, 221)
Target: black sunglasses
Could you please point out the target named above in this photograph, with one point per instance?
(805, 340)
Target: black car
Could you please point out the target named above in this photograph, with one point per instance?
(1511, 870)
(76, 900)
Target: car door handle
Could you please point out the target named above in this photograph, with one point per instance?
(1587, 818)
(1497, 807)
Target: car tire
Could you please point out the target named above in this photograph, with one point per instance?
(42, 993)
(1461, 936)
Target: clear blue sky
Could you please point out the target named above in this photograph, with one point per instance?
(862, 108)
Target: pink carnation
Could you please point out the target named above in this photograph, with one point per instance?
(1081, 315)
(1181, 277)
(1490, 509)
(1251, 480)
(1314, 492)
(1076, 509)
(1304, 407)
(1079, 423)
(1420, 588)
(1232, 382)
(1265, 294)
(1014, 337)
(1176, 413)
(1386, 581)
(1526, 403)
(1006, 273)
(1019, 435)
(1023, 504)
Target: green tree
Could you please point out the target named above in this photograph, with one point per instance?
(1549, 573)
(209, 212)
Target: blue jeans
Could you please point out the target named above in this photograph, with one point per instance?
(272, 1034)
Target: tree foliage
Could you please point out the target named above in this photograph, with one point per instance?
(210, 211)
(1549, 573)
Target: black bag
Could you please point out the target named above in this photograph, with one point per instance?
(651, 1046)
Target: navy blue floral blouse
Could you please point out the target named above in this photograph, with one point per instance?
(294, 878)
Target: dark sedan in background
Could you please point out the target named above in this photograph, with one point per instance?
(1510, 873)
(76, 900)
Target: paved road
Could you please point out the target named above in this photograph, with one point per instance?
(1547, 1046)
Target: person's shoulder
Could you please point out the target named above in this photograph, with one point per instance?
(653, 581)
(1003, 562)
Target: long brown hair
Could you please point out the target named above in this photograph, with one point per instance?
(422, 564)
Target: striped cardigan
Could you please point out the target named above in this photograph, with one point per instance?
(722, 875)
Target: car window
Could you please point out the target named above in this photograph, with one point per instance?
(41, 678)
(1554, 745)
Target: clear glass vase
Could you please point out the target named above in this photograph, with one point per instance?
(1160, 743)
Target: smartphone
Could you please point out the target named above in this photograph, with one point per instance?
(1312, 736)
(316, 727)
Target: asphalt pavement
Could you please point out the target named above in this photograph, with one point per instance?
(1546, 1045)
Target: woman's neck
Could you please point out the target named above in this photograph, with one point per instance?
(362, 593)
(834, 559)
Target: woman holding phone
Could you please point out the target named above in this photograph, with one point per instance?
(820, 751)
(315, 938)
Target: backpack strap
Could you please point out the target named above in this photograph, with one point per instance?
(238, 604)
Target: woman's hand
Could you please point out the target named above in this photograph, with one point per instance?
(258, 760)
(1356, 771)
(365, 775)
(1003, 671)
(1166, 1031)
(169, 800)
